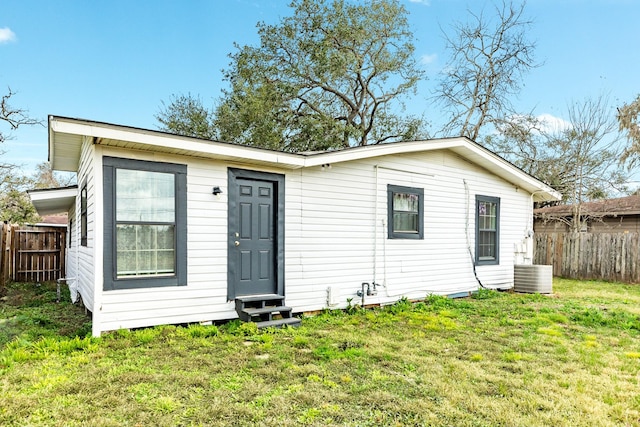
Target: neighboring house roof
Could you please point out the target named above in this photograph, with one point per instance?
(66, 136)
(629, 205)
(50, 201)
(56, 219)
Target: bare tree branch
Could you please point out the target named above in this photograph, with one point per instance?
(490, 55)
(13, 117)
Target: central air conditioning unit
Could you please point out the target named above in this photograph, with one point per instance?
(533, 279)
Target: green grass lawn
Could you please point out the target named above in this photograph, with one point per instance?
(498, 359)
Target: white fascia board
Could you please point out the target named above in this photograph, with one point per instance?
(53, 201)
(379, 150)
(159, 139)
(56, 193)
(462, 146)
(514, 174)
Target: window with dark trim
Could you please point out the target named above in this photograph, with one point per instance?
(83, 214)
(487, 230)
(70, 233)
(405, 212)
(145, 223)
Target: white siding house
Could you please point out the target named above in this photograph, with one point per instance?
(157, 246)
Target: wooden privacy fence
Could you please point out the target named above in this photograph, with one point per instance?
(601, 256)
(32, 253)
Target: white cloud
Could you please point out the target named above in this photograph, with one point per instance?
(424, 2)
(552, 124)
(542, 123)
(6, 35)
(429, 59)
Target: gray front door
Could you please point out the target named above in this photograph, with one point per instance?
(253, 232)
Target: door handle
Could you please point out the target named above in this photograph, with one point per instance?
(237, 243)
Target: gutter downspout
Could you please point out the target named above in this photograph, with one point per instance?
(375, 226)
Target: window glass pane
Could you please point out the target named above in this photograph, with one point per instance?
(83, 199)
(83, 215)
(165, 260)
(126, 237)
(405, 212)
(126, 263)
(83, 227)
(145, 196)
(145, 249)
(487, 245)
(405, 202)
(405, 222)
(165, 238)
(487, 217)
(145, 262)
(144, 236)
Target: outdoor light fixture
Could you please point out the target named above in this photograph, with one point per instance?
(326, 166)
(217, 191)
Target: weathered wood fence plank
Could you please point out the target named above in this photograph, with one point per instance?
(32, 253)
(5, 254)
(602, 256)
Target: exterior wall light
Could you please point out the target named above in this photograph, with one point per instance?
(217, 191)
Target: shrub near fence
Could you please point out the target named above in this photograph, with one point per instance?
(600, 256)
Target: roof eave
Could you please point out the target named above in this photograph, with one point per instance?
(112, 135)
(462, 146)
(53, 200)
(68, 133)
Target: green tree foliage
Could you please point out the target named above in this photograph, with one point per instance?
(15, 203)
(326, 77)
(629, 122)
(489, 56)
(332, 75)
(186, 115)
(16, 207)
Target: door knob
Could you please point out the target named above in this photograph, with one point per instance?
(237, 243)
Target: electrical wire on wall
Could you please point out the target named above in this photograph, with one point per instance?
(382, 230)
(467, 195)
(382, 221)
(427, 291)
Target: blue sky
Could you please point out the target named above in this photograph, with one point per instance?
(115, 61)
